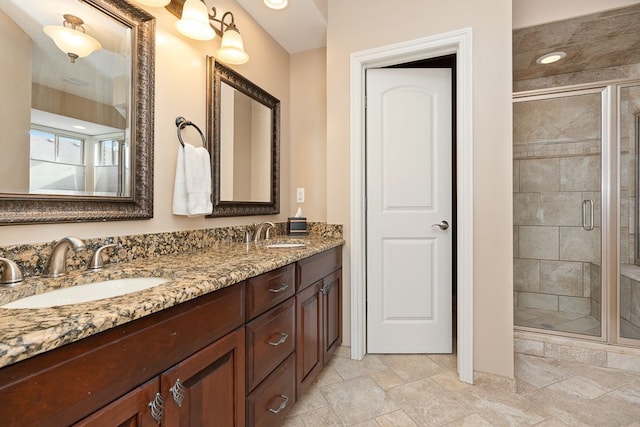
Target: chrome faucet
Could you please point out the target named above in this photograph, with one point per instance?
(259, 228)
(11, 273)
(57, 264)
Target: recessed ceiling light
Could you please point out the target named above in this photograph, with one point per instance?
(276, 4)
(550, 58)
(79, 127)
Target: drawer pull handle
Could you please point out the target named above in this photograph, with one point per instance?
(282, 287)
(177, 391)
(282, 405)
(283, 338)
(156, 406)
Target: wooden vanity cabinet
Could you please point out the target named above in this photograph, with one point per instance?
(63, 386)
(207, 389)
(270, 339)
(131, 410)
(239, 356)
(318, 314)
(269, 403)
(270, 346)
(269, 289)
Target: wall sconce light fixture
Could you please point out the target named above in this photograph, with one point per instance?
(196, 23)
(70, 37)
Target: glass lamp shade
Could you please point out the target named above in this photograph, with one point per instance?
(154, 3)
(276, 4)
(232, 48)
(74, 43)
(195, 21)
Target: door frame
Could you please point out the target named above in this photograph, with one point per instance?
(457, 42)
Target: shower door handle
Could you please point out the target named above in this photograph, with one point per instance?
(587, 214)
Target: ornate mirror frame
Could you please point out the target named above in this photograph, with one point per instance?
(27, 209)
(216, 74)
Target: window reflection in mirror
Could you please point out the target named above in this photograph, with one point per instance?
(62, 111)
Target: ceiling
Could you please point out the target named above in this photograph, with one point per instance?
(591, 42)
(299, 27)
(600, 40)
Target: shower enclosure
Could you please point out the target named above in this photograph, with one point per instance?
(575, 211)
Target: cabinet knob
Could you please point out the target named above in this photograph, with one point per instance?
(281, 340)
(177, 391)
(156, 406)
(283, 405)
(282, 287)
(326, 288)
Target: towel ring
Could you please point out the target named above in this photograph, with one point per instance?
(182, 123)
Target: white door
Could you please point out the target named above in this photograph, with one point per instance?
(409, 205)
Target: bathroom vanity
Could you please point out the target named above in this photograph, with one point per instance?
(238, 350)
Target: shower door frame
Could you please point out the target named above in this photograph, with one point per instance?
(609, 188)
(610, 202)
(615, 294)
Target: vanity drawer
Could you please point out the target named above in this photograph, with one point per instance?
(314, 268)
(270, 339)
(270, 403)
(269, 289)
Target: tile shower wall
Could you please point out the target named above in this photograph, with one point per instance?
(556, 166)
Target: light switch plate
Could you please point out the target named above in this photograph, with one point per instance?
(299, 195)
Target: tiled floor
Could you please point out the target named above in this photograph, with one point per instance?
(423, 390)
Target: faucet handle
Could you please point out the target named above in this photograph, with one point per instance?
(11, 273)
(267, 233)
(96, 262)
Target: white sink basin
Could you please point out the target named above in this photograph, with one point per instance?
(285, 245)
(85, 293)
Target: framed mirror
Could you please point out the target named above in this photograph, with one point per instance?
(243, 133)
(78, 124)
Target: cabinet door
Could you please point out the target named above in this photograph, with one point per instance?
(332, 314)
(131, 410)
(208, 388)
(308, 336)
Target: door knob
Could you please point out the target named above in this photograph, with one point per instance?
(442, 224)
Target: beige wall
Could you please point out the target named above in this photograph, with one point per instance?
(180, 91)
(15, 48)
(309, 132)
(358, 25)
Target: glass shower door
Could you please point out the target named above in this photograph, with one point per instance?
(629, 289)
(557, 152)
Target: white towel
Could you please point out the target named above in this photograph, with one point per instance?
(192, 188)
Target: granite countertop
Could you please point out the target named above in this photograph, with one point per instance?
(27, 332)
